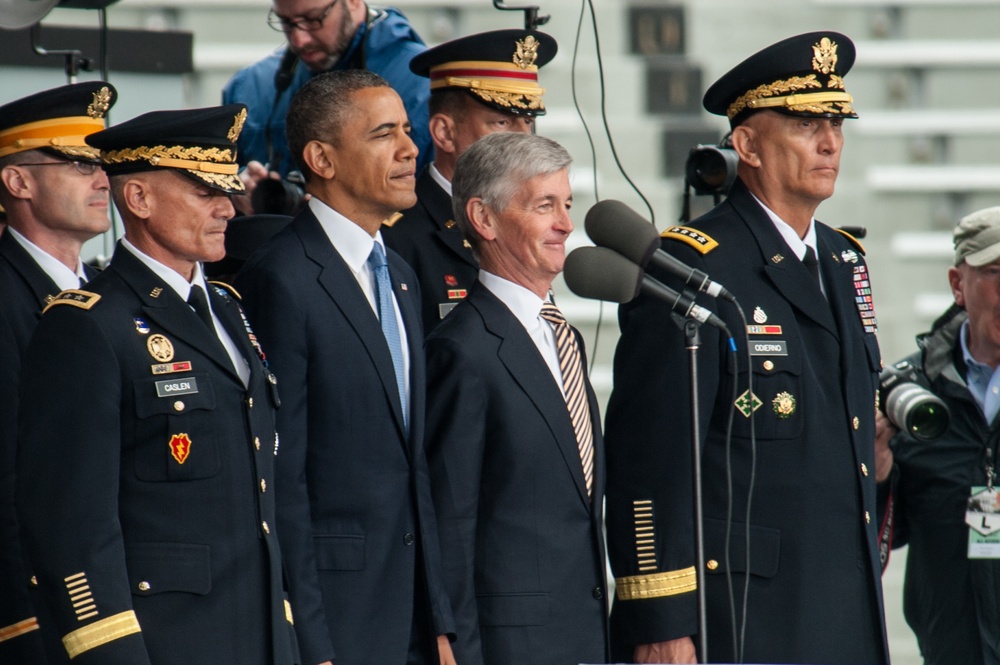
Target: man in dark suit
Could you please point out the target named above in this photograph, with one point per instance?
(342, 328)
(804, 427)
(514, 433)
(56, 198)
(480, 84)
(146, 433)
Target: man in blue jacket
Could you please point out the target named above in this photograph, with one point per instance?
(323, 36)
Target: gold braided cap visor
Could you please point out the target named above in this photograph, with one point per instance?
(502, 83)
(213, 166)
(63, 134)
(808, 102)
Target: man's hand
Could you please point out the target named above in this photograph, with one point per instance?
(680, 650)
(444, 651)
(884, 431)
(251, 175)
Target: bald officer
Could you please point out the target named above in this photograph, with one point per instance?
(147, 425)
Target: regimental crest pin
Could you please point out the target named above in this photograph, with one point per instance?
(849, 256)
(160, 348)
(180, 447)
(141, 326)
(783, 405)
(450, 280)
(526, 51)
(759, 316)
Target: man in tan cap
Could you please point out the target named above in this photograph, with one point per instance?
(946, 504)
(56, 198)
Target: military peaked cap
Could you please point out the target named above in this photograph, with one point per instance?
(802, 75)
(201, 143)
(57, 120)
(498, 68)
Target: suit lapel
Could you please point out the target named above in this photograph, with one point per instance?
(839, 276)
(438, 204)
(520, 356)
(789, 276)
(162, 305)
(339, 283)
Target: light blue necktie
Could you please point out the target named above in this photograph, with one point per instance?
(387, 316)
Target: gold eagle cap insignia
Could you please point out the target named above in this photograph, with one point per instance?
(527, 51)
(101, 103)
(825, 56)
(234, 131)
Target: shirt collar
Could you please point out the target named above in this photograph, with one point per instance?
(51, 266)
(352, 242)
(440, 179)
(173, 278)
(798, 245)
(523, 304)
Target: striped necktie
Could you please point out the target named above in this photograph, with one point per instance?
(387, 317)
(574, 389)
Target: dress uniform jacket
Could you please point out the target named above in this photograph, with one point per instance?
(146, 494)
(428, 238)
(815, 594)
(370, 558)
(522, 542)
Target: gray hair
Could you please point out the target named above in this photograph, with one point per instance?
(320, 108)
(493, 169)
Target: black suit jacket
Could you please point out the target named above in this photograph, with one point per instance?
(356, 571)
(147, 485)
(522, 542)
(815, 592)
(25, 288)
(427, 237)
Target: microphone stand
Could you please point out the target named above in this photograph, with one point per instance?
(692, 340)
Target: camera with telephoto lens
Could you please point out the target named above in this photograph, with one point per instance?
(910, 406)
(279, 197)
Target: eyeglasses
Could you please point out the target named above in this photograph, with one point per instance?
(83, 168)
(304, 23)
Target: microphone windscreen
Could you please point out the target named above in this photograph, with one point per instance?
(614, 225)
(602, 274)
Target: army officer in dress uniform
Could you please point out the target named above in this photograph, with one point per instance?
(807, 457)
(480, 84)
(56, 197)
(147, 438)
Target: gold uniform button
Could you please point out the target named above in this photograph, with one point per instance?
(34, 581)
(711, 564)
(178, 405)
(768, 365)
(868, 518)
(256, 442)
(250, 402)
(144, 586)
(264, 526)
(263, 485)
(856, 422)
(864, 469)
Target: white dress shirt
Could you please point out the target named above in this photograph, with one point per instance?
(51, 266)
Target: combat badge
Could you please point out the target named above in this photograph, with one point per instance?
(783, 405)
(160, 348)
(747, 403)
(141, 326)
(759, 316)
(180, 447)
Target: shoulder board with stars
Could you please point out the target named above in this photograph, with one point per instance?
(225, 290)
(391, 220)
(693, 237)
(854, 241)
(74, 297)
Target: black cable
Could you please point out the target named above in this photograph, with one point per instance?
(750, 487)
(735, 368)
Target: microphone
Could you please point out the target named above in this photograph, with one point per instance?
(600, 273)
(614, 225)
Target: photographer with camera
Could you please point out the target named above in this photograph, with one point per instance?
(945, 504)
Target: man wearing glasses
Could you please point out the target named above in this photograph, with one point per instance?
(56, 198)
(323, 36)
